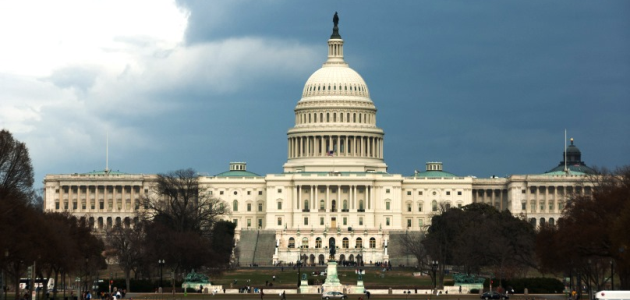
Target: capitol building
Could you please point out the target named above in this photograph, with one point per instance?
(334, 187)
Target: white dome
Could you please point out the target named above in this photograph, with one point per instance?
(335, 80)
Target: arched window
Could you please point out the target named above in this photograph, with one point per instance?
(552, 222)
(304, 242)
(542, 221)
(235, 205)
(345, 243)
(291, 242)
(448, 206)
(372, 243)
(331, 242)
(318, 242)
(532, 221)
(434, 205)
(359, 243)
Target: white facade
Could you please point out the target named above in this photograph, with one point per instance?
(335, 182)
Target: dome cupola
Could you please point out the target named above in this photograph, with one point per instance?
(335, 120)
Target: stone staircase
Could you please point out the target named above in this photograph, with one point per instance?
(256, 247)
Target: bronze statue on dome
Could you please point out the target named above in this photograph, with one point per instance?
(336, 19)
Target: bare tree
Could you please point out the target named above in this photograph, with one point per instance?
(16, 170)
(178, 202)
(126, 245)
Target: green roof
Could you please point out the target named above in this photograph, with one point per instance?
(562, 173)
(103, 172)
(434, 174)
(237, 174)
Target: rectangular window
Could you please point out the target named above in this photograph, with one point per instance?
(408, 223)
(83, 205)
(249, 223)
(56, 205)
(249, 193)
(387, 205)
(550, 206)
(101, 205)
(523, 191)
(74, 205)
(387, 191)
(345, 221)
(279, 205)
(259, 223)
(420, 207)
(249, 207)
(321, 221)
(220, 192)
(360, 220)
(279, 191)
(448, 193)
(459, 193)
(523, 206)
(279, 221)
(259, 206)
(420, 193)
(235, 221)
(305, 221)
(210, 193)
(420, 223)
(259, 193)
(408, 193)
(387, 221)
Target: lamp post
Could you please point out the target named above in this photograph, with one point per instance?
(299, 264)
(612, 275)
(434, 266)
(4, 283)
(85, 283)
(161, 263)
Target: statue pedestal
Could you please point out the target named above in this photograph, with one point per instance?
(332, 280)
(304, 288)
(359, 289)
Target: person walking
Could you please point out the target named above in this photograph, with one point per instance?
(262, 294)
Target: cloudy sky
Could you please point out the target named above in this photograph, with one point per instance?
(487, 87)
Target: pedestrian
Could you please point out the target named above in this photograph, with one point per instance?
(284, 295)
(274, 278)
(262, 294)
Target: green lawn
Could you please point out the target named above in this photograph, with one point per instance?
(287, 278)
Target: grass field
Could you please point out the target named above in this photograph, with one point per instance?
(288, 277)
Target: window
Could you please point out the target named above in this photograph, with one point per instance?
(235, 205)
(409, 207)
(560, 205)
(291, 242)
(305, 221)
(345, 221)
(387, 205)
(56, 205)
(260, 207)
(249, 207)
(259, 223)
(259, 193)
(387, 191)
(345, 204)
(434, 205)
(249, 193)
(420, 223)
(101, 205)
(360, 220)
(372, 243)
(235, 221)
(279, 205)
(318, 242)
(361, 205)
(321, 221)
(523, 205)
(321, 204)
(459, 193)
(523, 191)
(279, 221)
(550, 206)
(387, 221)
(359, 243)
(220, 192)
(448, 193)
(419, 206)
(533, 206)
(210, 192)
(408, 223)
(235, 193)
(345, 243)
(420, 193)
(249, 223)
(408, 193)
(542, 206)
(434, 193)
(279, 191)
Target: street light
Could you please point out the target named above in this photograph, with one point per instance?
(612, 275)
(86, 275)
(434, 266)
(161, 263)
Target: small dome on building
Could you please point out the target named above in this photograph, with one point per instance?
(573, 162)
(237, 169)
(434, 170)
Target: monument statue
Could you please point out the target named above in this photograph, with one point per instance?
(304, 276)
(333, 250)
(197, 277)
(336, 19)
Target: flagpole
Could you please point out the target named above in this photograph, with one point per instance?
(565, 151)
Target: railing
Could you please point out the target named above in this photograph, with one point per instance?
(360, 210)
(306, 210)
(345, 210)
